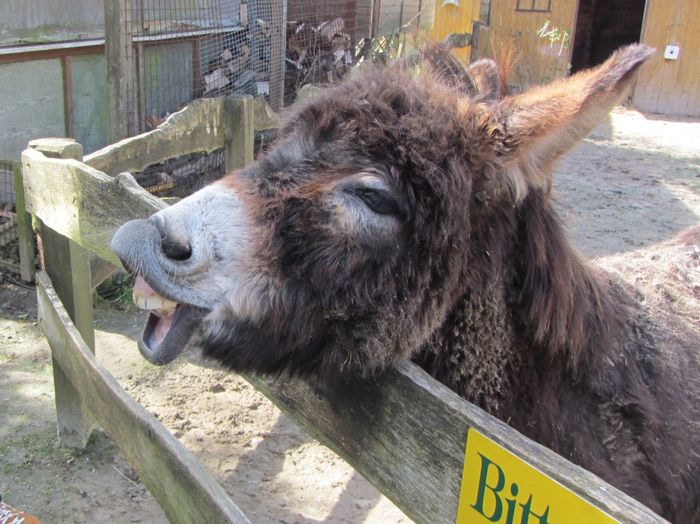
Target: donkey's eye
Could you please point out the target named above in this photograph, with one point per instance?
(378, 201)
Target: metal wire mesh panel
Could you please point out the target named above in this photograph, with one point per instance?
(187, 49)
(183, 175)
(322, 38)
(326, 38)
(179, 50)
(9, 246)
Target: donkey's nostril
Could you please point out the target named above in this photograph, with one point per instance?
(175, 245)
(175, 249)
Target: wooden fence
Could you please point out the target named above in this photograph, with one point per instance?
(406, 433)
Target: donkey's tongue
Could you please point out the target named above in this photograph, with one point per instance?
(169, 326)
(164, 324)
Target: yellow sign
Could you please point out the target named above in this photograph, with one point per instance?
(499, 487)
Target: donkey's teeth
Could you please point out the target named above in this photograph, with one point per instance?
(153, 302)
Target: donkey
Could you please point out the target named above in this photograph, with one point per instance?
(397, 217)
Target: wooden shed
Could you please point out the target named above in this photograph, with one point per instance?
(671, 86)
(548, 38)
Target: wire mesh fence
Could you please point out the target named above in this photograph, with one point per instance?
(9, 245)
(181, 50)
(326, 38)
(187, 49)
(183, 175)
(322, 40)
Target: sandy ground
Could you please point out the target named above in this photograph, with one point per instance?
(634, 182)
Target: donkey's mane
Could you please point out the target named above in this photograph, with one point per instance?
(563, 300)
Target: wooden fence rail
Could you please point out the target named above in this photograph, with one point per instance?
(406, 433)
(185, 491)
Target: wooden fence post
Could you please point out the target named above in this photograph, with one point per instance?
(68, 266)
(119, 55)
(278, 46)
(25, 232)
(239, 126)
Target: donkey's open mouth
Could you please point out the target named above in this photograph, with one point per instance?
(175, 313)
(185, 259)
(169, 327)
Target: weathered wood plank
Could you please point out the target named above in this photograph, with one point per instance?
(25, 232)
(185, 491)
(69, 265)
(196, 128)
(119, 54)
(277, 48)
(406, 433)
(82, 203)
(239, 121)
(265, 118)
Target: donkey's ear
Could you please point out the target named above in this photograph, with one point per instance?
(480, 80)
(486, 79)
(545, 122)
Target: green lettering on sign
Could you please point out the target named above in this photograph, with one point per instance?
(499, 487)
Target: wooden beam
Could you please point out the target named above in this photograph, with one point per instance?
(69, 265)
(69, 117)
(406, 433)
(185, 491)
(198, 127)
(239, 125)
(278, 48)
(196, 69)
(120, 62)
(82, 203)
(140, 57)
(25, 232)
(46, 52)
(374, 20)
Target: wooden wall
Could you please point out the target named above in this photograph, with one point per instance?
(31, 104)
(451, 18)
(89, 107)
(396, 13)
(671, 87)
(41, 21)
(515, 31)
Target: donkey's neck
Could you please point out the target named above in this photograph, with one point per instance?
(561, 304)
(528, 298)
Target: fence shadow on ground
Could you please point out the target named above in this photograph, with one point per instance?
(619, 196)
(262, 462)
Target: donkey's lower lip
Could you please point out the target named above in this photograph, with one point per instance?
(165, 337)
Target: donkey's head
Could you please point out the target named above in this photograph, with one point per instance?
(345, 247)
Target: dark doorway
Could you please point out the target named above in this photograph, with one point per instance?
(602, 26)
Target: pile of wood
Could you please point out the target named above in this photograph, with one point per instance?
(8, 224)
(231, 73)
(317, 53)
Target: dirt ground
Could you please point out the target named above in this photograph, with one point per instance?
(634, 182)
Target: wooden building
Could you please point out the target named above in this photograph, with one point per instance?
(671, 86)
(545, 39)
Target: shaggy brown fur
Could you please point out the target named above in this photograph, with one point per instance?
(485, 293)
(477, 281)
